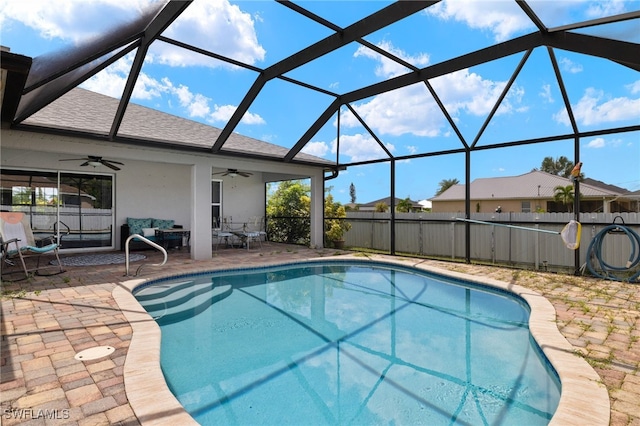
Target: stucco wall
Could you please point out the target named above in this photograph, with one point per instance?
(158, 183)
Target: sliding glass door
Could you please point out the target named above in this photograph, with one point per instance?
(75, 207)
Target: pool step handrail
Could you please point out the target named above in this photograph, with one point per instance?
(147, 241)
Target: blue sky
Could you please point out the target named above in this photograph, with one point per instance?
(260, 33)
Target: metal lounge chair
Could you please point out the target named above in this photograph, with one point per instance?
(18, 242)
(220, 234)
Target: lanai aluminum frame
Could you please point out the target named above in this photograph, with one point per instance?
(51, 76)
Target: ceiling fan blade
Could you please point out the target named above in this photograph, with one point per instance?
(73, 159)
(244, 174)
(86, 163)
(109, 165)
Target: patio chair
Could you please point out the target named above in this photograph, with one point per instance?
(220, 234)
(17, 242)
(256, 224)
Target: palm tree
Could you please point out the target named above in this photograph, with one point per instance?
(561, 166)
(446, 184)
(404, 205)
(564, 195)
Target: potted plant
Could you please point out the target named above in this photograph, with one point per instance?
(336, 225)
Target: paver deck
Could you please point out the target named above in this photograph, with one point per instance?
(47, 320)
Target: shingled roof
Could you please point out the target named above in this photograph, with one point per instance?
(85, 112)
(535, 184)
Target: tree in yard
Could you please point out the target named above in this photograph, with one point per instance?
(446, 184)
(561, 166)
(335, 219)
(289, 211)
(352, 193)
(564, 195)
(404, 206)
(381, 207)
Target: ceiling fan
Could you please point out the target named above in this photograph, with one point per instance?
(96, 161)
(234, 173)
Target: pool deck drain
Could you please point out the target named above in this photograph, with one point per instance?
(47, 320)
(94, 353)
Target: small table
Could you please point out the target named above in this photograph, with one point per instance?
(166, 236)
(247, 236)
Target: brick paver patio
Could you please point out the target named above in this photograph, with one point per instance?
(46, 321)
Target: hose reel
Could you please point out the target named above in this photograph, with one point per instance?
(602, 269)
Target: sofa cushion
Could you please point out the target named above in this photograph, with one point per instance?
(136, 225)
(163, 223)
(149, 232)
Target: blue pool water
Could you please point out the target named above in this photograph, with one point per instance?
(348, 343)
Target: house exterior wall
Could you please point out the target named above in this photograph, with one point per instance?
(513, 205)
(486, 206)
(160, 183)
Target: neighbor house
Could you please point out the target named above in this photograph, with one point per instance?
(531, 192)
(371, 206)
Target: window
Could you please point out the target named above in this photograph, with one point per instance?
(216, 203)
(77, 206)
(526, 207)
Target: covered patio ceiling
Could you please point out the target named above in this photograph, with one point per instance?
(33, 85)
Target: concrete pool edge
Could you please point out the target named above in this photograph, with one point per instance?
(145, 386)
(584, 399)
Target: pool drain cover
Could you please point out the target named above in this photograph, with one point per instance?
(94, 353)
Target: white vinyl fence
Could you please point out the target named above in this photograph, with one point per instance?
(442, 235)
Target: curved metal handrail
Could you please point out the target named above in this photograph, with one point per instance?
(149, 242)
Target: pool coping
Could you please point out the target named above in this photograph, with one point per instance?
(584, 399)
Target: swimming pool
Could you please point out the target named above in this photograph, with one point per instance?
(348, 342)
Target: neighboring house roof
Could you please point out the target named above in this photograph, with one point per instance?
(86, 111)
(631, 195)
(604, 186)
(387, 201)
(535, 184)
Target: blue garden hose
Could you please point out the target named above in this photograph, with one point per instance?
(594, 253)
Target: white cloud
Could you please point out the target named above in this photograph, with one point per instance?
(222, 113)
(386, 67)
(595, 108)
(213, 25)
(570, 66)
(545, 93)
(634, 87)
(70, 20)
(111, 82)
(216, 26)
(359, 147)
(501, 18)
(406, 110)
(412, 110)
(596, 143)
(471, 93)
(605, 8)
(319, 149)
